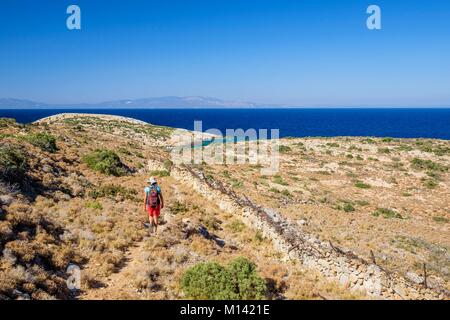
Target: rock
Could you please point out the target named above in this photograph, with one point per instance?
(414, 277)
(60, 196)
(302, 222)
(20, 295)
(344, 279)
(6, 199)
(46, 168)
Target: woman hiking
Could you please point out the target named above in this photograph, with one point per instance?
(153, 203)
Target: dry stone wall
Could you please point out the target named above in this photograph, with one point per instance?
(333, 263)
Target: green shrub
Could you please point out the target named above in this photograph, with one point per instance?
(208, 281)
(94, 205)
(348, 207)
(5, 122)
(168, 164)
(441, 219)
(286, 193)
(105, 161)
(279, 180)
(212, 281)
(405, 147)
(353, 148)
(387, 213)
(249, 285)
(124, 151)
(236, 226)
(13, 164)
(362, 185)
(259, 238)
(333, 144)
(285, 149)
(178, 207)
(368, 141)
(226, 174)
(160, 173)
(345, 206)
(112, 190)
(235, 183)
(421, 164)
(44, 141)
(430, 183)
(384, 150)
(362, 203)
(274, 190)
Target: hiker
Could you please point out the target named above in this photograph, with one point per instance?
(153, 203)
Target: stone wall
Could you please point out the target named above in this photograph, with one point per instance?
(333, 263)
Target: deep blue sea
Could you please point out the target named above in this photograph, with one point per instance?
(398, 123)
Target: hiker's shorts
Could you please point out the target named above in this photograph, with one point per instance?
(154, 212)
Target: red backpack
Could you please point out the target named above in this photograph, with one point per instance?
(152, 197)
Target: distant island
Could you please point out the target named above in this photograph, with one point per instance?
(153, 103)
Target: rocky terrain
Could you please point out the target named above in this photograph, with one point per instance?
(71, 191)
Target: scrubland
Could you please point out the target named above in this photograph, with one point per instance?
(71, 192)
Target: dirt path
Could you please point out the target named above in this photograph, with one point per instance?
(122, 284)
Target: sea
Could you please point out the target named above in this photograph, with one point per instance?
(298, 122)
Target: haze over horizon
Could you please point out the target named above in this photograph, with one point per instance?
(288, 53)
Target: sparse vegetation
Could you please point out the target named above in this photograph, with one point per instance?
(440, 219)
(285, 149)
(5, 122)
(178, 207)
(160, 173)
(345, 206)
(94, 205)
(362, 185)
(235, 183)
(236, 226)
(430, 183)
(384, 150)
(66, 209)
(421, 164)
(387, 213)
(286, 193)
(113, 190)
(168, 164)
(279, 180)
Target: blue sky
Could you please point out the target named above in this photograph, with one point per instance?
(303, 53)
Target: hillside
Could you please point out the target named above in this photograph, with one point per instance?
(385, 201)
